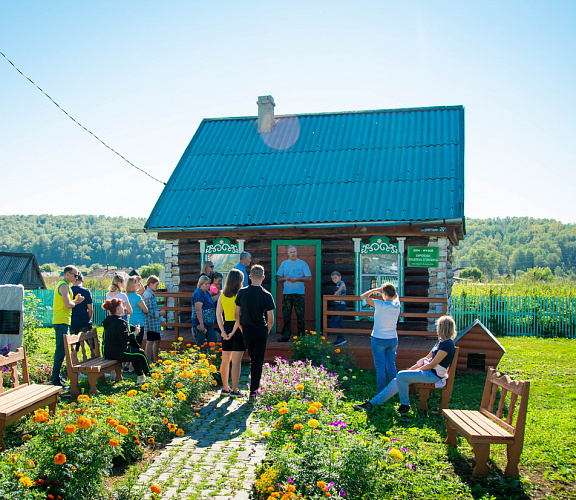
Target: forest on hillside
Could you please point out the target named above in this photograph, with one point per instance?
(496, 246)
(81, 240)
(512, 244)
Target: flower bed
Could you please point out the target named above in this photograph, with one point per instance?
(66, 455)
(318, 446)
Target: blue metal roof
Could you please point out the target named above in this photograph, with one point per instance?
(383, 166)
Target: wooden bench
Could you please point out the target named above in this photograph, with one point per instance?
(485, 427)
(424, 390)
(23, 398)
(92, 364)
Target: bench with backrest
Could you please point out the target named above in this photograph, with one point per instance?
(494, 423)
(92, 363)
(22, 398)
(424, 390)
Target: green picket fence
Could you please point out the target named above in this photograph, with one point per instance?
(46, 298)
(514, 316)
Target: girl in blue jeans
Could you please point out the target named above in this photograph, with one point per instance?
(384, 339)
(431, 369)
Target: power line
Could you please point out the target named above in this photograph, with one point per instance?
(77, 122)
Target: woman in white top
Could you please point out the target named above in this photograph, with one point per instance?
(384, 340)
(115, 292)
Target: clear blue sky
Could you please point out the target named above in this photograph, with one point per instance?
(142, 75)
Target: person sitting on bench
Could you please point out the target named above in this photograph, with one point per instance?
(119, 343)
(430, 369)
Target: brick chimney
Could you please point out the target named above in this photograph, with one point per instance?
(266, 122)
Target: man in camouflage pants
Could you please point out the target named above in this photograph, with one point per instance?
(293, 272)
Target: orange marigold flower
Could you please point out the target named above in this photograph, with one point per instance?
(122, 430)
(112, 422)
(337, 351)
(60, 459)
(83, 422)
(313, 409)
(180, 432)
(131, 393)
(164, 420)
(212, 344)
(109, 400)
(172, 427)
(188, 345)
(156, 489)
(283, 410)
(321, 484)
(181, 396)
(180, 339)
(299, 387)
(70, 429)
(113, 442)
(151, 441)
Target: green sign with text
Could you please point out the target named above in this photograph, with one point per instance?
(423, 256)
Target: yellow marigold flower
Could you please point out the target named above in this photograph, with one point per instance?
(122, 430)
(396, 454)
(313, 423)
(389, 433)
(299, 387)
(180, 339)
(168, 371)
(164, 420)
(156, 489)
(26, 481)
(266, 434)
(180, 432)
(198, 415)
(144, 387)
(74, 467)
(60, 459)
(213, 368)
(179, 385)
(317, 404)
(313, 333)
(172, 427)
(169, 404)
(181, 396)
(69, 429)
(313, 410)
(385, 439)
(131, 393)
(202, 356)
(283, 410)
(337, 351)
(321, 485)
(297, 427)
(323, 338)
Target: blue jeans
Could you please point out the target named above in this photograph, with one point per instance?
(338, 321)
(401, 385)
(61, 330)
(384, 354)
(209, 336)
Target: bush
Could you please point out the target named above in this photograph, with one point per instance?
(33, 318)
(315, 349)
(151, 269)
(472, 273)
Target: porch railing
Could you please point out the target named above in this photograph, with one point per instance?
(439, 308)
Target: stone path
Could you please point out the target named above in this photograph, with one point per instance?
(216, 459)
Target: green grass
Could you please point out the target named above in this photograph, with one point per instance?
(548, 462)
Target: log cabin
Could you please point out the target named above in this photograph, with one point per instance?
(376, 195)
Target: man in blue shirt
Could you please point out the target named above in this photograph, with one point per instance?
(293, 272)
(245, 259)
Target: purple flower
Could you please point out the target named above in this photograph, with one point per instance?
(268, 408)
(404, 450)
(342, 493)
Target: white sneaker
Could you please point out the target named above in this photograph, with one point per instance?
(141, 379)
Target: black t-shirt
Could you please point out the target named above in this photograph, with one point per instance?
(448, 347)
(80, 311)
(254, 302)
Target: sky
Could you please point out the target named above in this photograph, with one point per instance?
(141, 75)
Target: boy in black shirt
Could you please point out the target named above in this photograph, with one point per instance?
(253, 303)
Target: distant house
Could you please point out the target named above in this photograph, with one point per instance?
(109, 273)
(20, 269)
(376, 195)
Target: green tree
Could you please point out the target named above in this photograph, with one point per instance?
(150, 269)
(471, 273)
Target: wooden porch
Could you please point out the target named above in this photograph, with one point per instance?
(412, 344)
